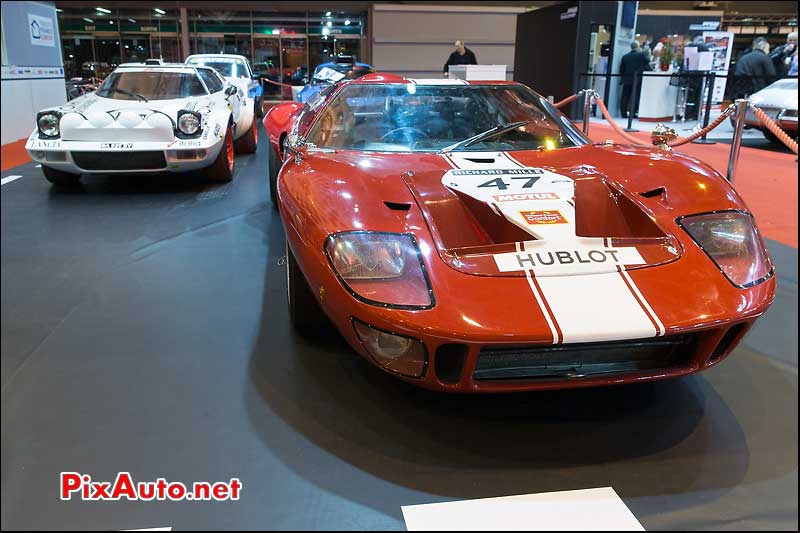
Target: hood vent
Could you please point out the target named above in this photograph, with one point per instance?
(397, 206)
(652, 193)
(485, 160)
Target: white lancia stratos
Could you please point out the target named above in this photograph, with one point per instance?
(146, 117)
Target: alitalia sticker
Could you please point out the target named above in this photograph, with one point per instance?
(116, 146)
(543, 217)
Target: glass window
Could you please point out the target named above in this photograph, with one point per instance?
(213, 82)
(408, 117)
(151, 84)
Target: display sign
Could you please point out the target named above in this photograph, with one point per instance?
(720, 43)
(41, 30)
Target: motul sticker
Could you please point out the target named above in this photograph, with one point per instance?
(526, 196)
(543, 217)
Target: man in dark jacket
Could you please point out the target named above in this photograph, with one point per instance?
(755, 70)
(632, 62)
(782, 55)
(461, 56)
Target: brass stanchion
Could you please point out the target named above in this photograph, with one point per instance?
(736, 144)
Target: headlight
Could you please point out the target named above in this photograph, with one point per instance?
(381, 268)
(404, 355)
(189, 123)
(48, 124)
(730, 239)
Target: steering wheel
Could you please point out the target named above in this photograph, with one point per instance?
(408, 129)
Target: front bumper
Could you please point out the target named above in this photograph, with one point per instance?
(477, 318)
(78, 157)
(785, 118)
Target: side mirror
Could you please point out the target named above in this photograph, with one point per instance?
(231, 90)
(297, 146)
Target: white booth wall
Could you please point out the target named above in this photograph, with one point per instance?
(416, 40)
(32, 66)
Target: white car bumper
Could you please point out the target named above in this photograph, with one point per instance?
(178, 155)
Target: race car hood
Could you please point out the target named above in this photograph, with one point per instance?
(491, 214)
(92, 118)
(780, 95)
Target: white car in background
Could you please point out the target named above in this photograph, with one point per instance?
(145, 117)
(237, 70)
(779, 102)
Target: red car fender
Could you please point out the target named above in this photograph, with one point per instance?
(279, 120)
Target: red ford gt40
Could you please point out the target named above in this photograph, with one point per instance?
(467, 237)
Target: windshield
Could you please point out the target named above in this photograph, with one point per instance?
(229, 67)
(152, 85)
(409, 117)
(350, 72)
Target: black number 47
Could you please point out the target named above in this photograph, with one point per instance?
(502, 185)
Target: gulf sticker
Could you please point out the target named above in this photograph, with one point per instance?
(525, 196)
(543, 217)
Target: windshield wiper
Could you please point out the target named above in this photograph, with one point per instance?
(129, 93)
(488, 134)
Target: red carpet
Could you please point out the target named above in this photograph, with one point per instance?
(13, 155)
(767, 181)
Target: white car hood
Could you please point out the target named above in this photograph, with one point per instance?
(782, 95)
(92, 118)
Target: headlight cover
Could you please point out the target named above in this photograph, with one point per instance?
(189, 122)
(384, 269)
(48, 122)
(397, 353)
(731, 240)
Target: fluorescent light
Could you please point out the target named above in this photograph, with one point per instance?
(132, 20)
(59, 10)
(276, 32)
(88, 20)
(329, 24)
(159, 11)
(103, 10)
(111, 22)
(328, 14)
(347, 22)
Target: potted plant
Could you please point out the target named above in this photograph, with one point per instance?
(665, 61)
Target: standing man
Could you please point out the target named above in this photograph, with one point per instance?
(755, 70)
(782, 55)
(461, 56)
(634, 61)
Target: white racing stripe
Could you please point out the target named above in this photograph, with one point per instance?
(580, 284)
(9, 179)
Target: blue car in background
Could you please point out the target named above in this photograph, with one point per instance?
(326, 74)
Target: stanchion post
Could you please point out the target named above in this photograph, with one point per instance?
(632, 102)
(587, 106)
(710, 86)
(736, 143)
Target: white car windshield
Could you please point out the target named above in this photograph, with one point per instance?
(151, 85)
(229, 67)
(414, 117)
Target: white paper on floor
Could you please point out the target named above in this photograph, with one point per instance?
(590, 509)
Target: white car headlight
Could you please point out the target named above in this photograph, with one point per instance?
(48, 124)
(731, 240)
(189, 123)
(383, 269)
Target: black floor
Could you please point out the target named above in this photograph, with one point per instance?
(144, 329)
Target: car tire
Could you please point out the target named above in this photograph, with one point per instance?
(59, 178)
(305, 314)
(221, 170)
(260, 107)
(248, 143)
(273, 164)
